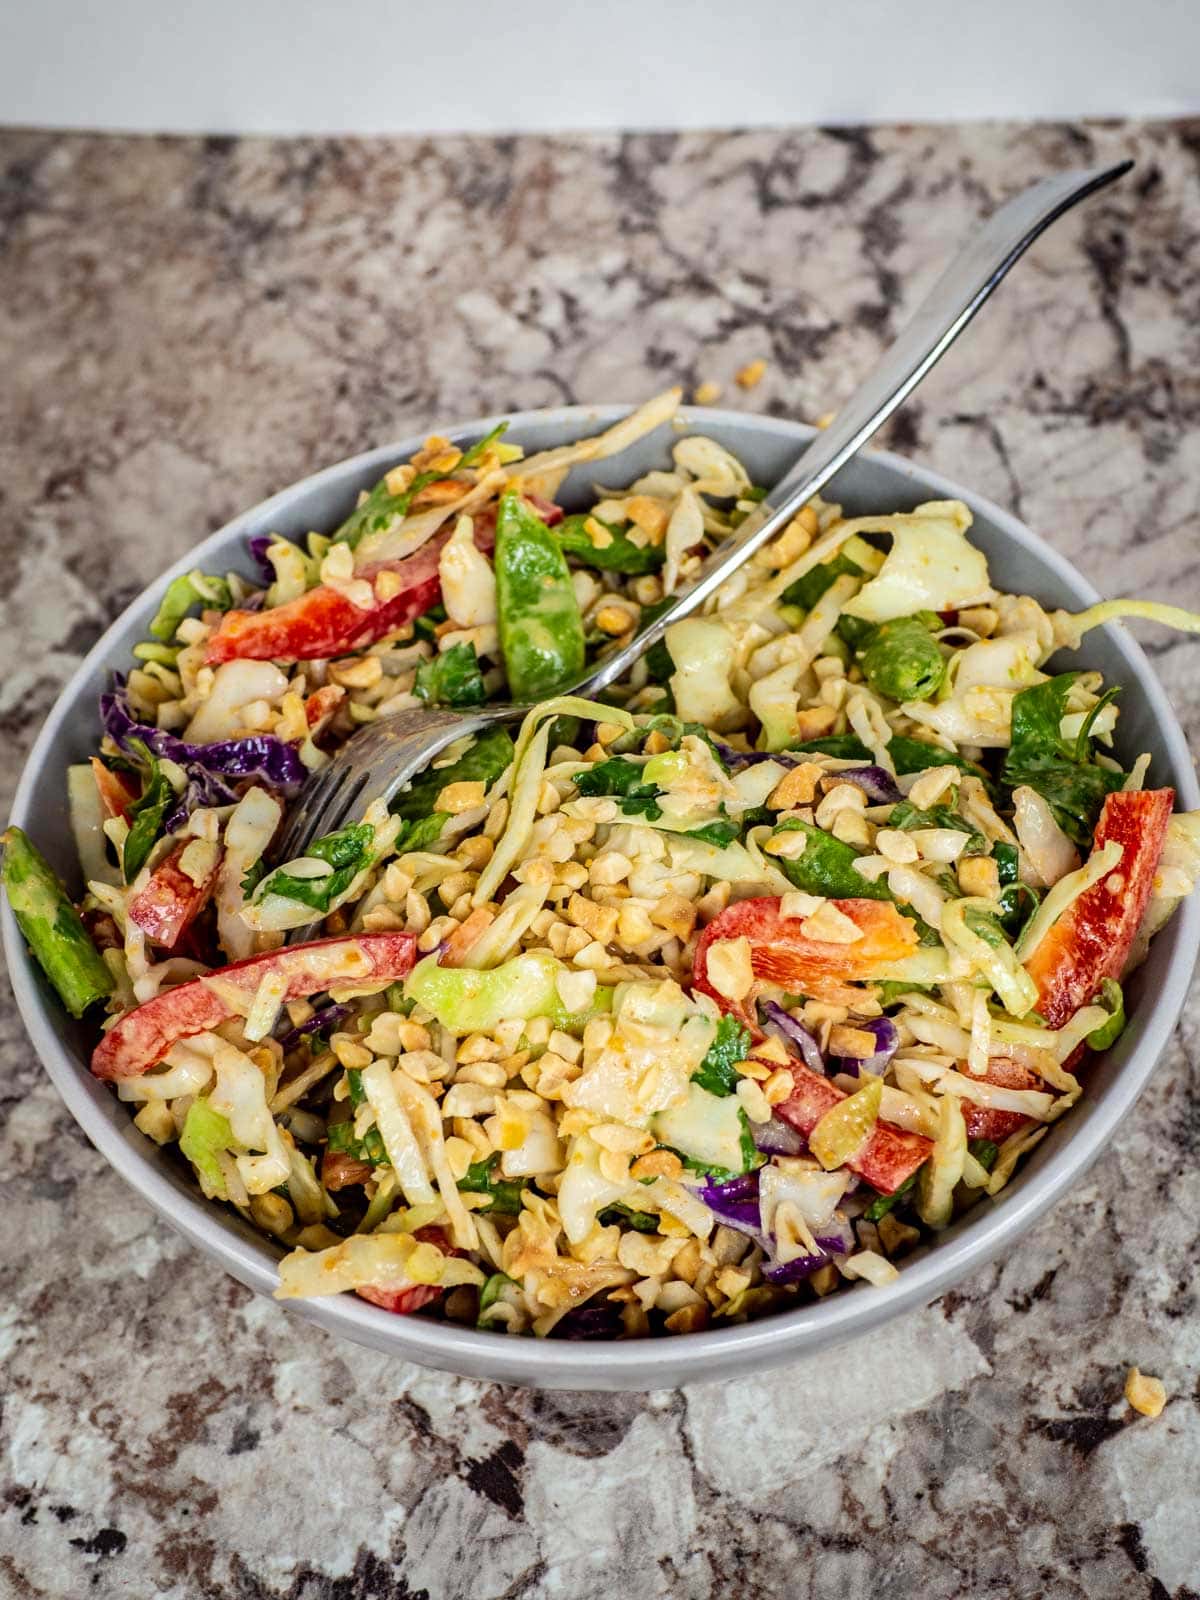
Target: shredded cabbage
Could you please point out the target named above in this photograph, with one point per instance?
(1064, 894)
(994, 959)
(930, 567)
(942, 1172)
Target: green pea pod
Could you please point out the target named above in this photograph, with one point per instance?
(901, 660)
(1111, 997)
(193, 588)
(541, 631)
(52, 926)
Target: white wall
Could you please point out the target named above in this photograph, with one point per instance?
(381, 66)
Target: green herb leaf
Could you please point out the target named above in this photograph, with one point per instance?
(731, 1045)
(806, 591)
(907, 816)
(985, 1152)
(347, 851)
(480, 1178)
(451, 679)
(487, 758)
(827, 866)
(370, 1148)
(145, 814)
(1072, 784)
(639, 1221)
(620, 554)
(422, 834)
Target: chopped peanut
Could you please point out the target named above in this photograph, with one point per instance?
(796, 788)
(1144, 1394)
(778, 1087)
(459, 797)
(978, 875)
(615, 620)
(599, 921)
(729, 967)
(649, 513)
(688, 1319)
(751, 374)
(896, 1236)
(675, 914)
(814, 722)
(657, 1164)
(363, 673)
(860, 1043)
(707, 393)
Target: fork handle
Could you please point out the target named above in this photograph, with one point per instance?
(938, 321)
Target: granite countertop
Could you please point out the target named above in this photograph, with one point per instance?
(186, 326)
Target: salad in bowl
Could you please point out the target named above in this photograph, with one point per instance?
(665, 1012)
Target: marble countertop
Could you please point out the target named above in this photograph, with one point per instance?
(188, 325)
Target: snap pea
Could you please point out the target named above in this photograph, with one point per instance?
(541, 631)
(901, 660)
(193, 588)
(52, 927)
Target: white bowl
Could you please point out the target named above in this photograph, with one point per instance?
(874, 482)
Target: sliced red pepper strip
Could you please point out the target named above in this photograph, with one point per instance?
(117, 793)
(1092, 939)
(781, 954)
(406, 1301)
(988, 1122)
(142, 1037)
(170, 902)
(339, 1170)
(324, 622)
(884, 1160)
(321, 704)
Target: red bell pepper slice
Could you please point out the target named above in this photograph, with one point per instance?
(406, 1301)
(884, 1160)
(989, 1122)
(142, 1037)
(781, 954)
(117, 792)
(324, 622)
(340, 1170)
(1092, 939)
(321, 704)
(170, 902)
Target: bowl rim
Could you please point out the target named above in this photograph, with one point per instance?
(636, 1364)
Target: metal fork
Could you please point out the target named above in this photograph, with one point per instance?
(379, 759)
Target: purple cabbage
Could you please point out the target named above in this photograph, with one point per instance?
(794, 1271)
(258, 544)
(601, 1320)
(327, 1017)
(793, 1034)
(735, 760)
(875, 782)
(213, 770)
(736, 1203)
(779, 1138)
(887, 1040)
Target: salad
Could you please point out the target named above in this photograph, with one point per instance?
(665, 1011)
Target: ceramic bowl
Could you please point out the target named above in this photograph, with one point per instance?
(875, 482)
